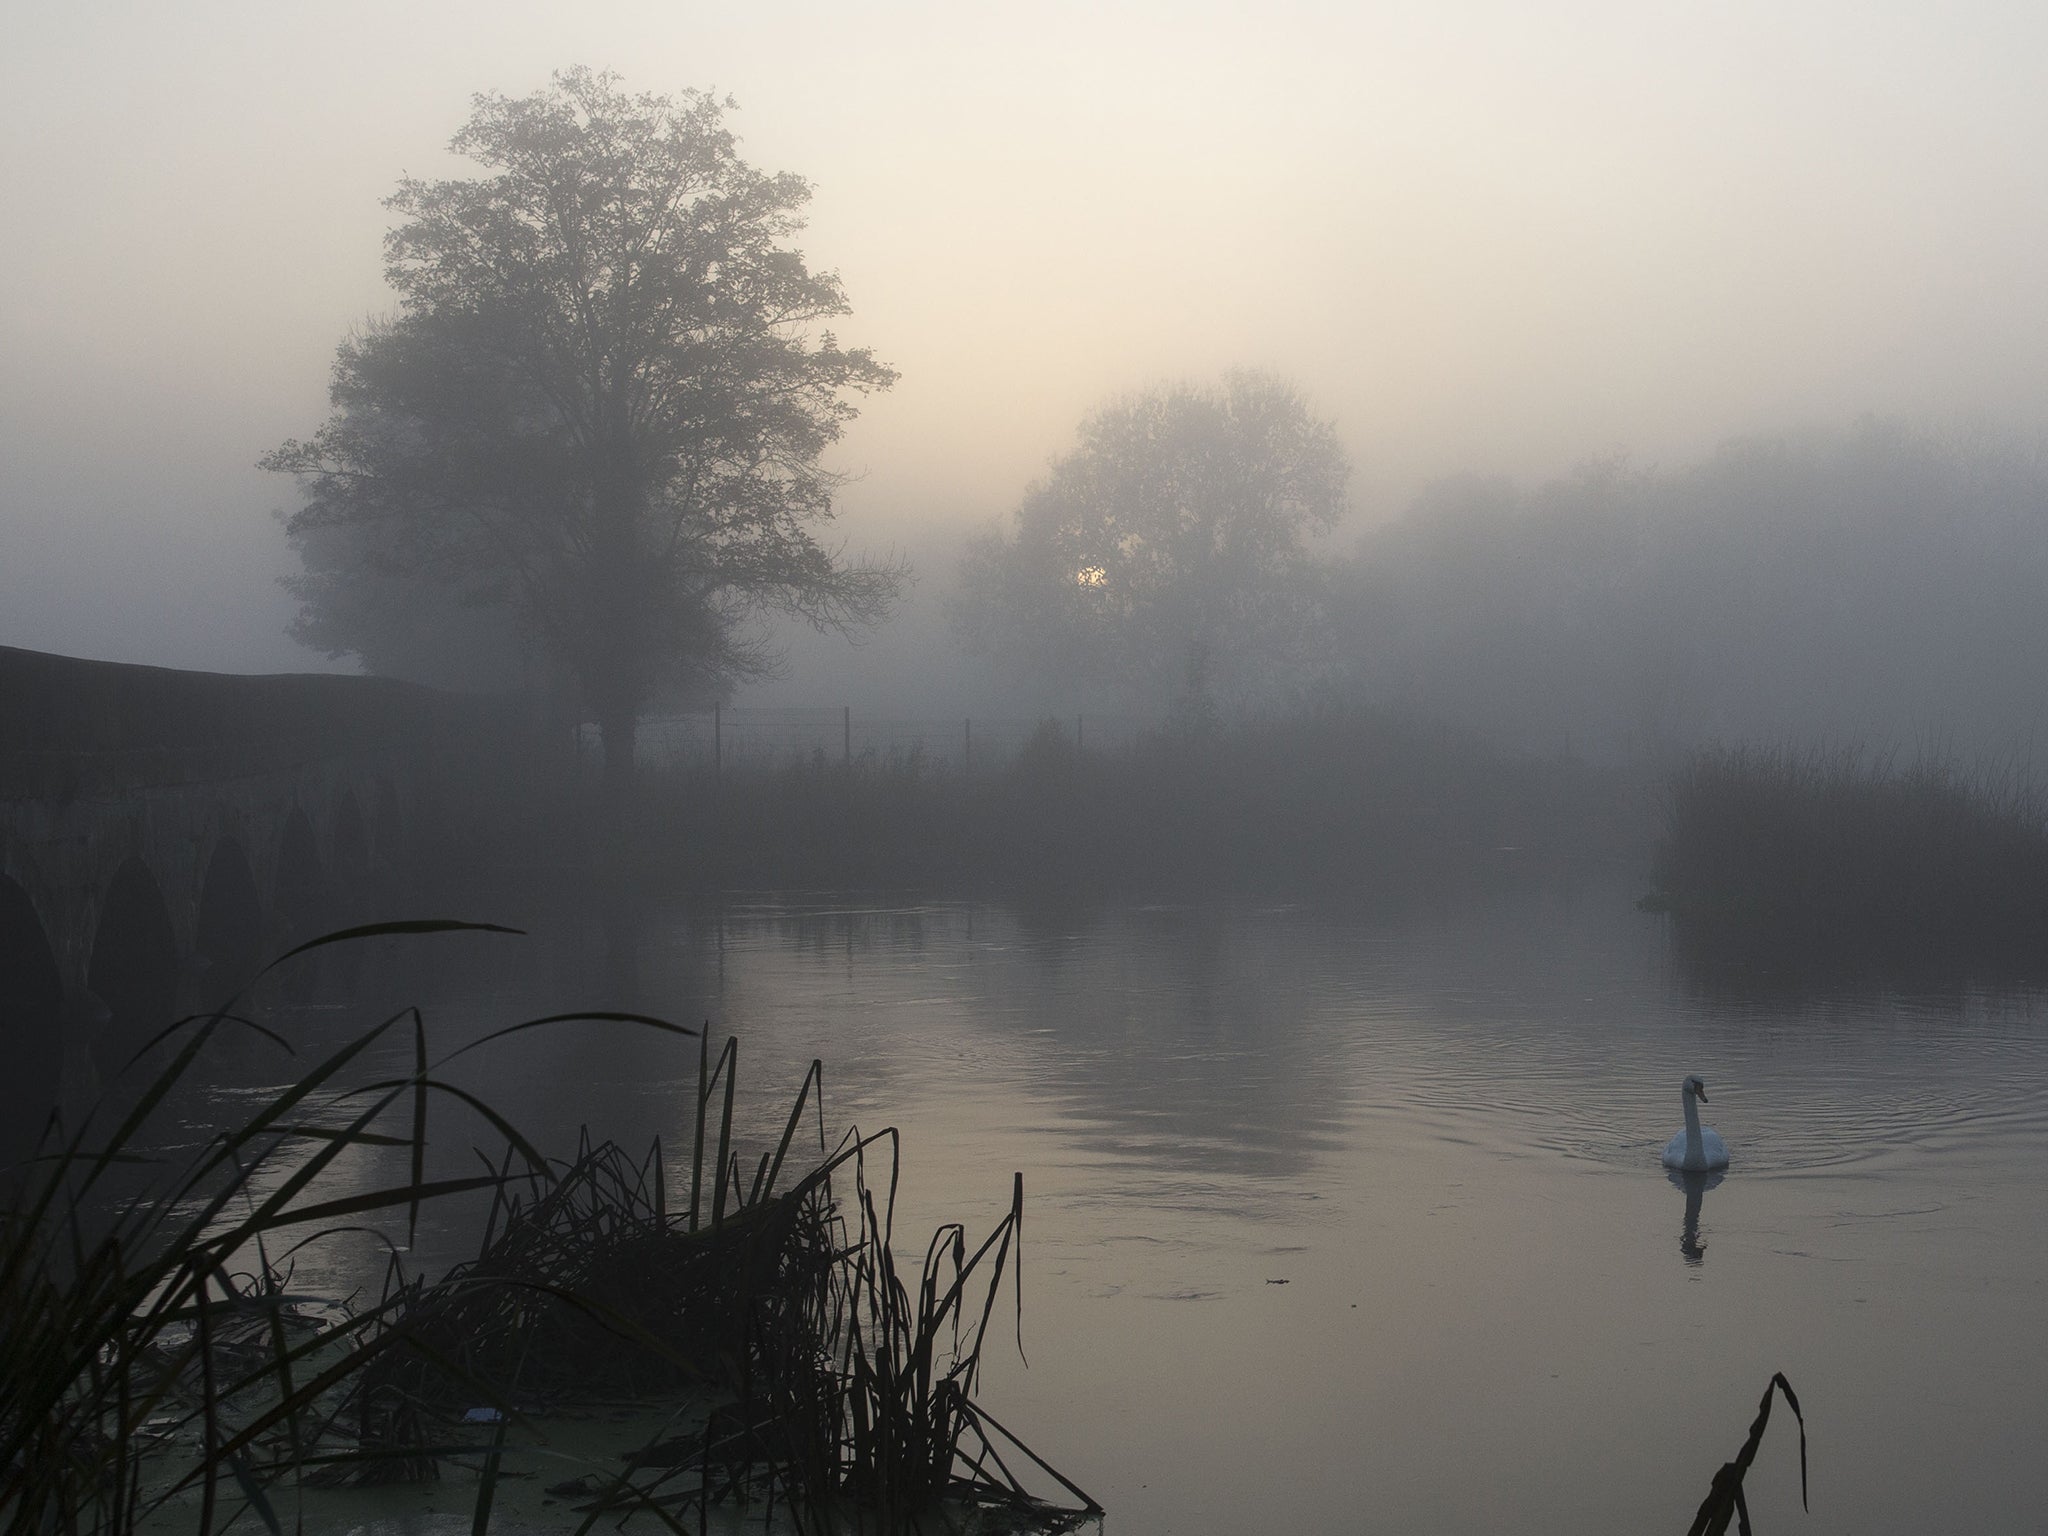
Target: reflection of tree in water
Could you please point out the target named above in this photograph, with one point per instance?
(1695, 1183)
(1049, 923)
(1180, 1040)
(855, 927)
(1185, 1037)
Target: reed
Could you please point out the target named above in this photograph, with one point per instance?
(838, 1391)
(1725, 1501)
(156, 1358)
(891, 1433)
(151, 1349)
(1841, 864)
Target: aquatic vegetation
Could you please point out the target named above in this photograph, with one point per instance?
(1725, 1501)
(163, 1320)
(155, 1356)
(1781, 865)
(808, 1372)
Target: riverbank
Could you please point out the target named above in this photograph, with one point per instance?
(1336, 802)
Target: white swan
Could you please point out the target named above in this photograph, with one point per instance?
(1694, 1149)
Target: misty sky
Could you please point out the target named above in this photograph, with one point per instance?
(1492, 237)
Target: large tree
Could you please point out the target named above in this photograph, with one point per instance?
(361, 595)
(600, 408)
(1167, 555)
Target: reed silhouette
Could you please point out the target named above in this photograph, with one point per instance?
(1782, 867)
(157, 1361)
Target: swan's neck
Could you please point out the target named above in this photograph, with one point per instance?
(1693, 1148)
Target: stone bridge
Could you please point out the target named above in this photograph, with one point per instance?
(162, 833)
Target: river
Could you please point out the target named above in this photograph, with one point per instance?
(1341, 1220)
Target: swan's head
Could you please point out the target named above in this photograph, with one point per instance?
(1697, 1088)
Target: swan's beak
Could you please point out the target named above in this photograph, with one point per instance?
(1701, 1093)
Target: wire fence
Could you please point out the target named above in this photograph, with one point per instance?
(724, 738)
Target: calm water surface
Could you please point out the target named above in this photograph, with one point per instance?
(1343, 1222)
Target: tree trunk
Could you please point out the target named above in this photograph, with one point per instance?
(613, 670)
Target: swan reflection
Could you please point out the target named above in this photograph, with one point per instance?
(1695, 1183)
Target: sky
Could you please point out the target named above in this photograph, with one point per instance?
(1482, 238)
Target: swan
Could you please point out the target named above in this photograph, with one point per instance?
(1694, 1149)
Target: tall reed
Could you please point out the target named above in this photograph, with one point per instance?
(150, 1348)
(1844, 863)
(839, 1390)
(1725, 1500)
(154, 1353)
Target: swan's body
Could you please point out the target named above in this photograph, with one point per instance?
(1695, 1149)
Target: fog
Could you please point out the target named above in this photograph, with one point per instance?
(1873, 587)
(1488, 242)
(1407, 579)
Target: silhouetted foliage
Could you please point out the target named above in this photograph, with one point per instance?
(158, 1370)
(1336, 800)
(1166, 555)
(1780, 867)
(601, 407)
(367, 590)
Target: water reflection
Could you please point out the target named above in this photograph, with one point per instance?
(1186, 1046)
(1207, 1098)
(1747, 966)
(1695, 1183)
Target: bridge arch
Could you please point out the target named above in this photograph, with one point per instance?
(228, 932)
(135, 966)
(31, 1023)
(301, 887)
(349, 871)
(351, 836)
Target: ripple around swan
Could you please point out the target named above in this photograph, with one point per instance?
(1792, 1116)
(1596, 1076)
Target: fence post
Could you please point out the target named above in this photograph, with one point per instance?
(717, 743)
(847, 756)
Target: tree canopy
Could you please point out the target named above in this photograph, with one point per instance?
(1167, 555)
(1879, 584)
(600, 409)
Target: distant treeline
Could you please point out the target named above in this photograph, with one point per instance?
(1339, 799)
(1875, 585)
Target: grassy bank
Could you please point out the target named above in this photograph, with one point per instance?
(1336, 801)
(1839, 866)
